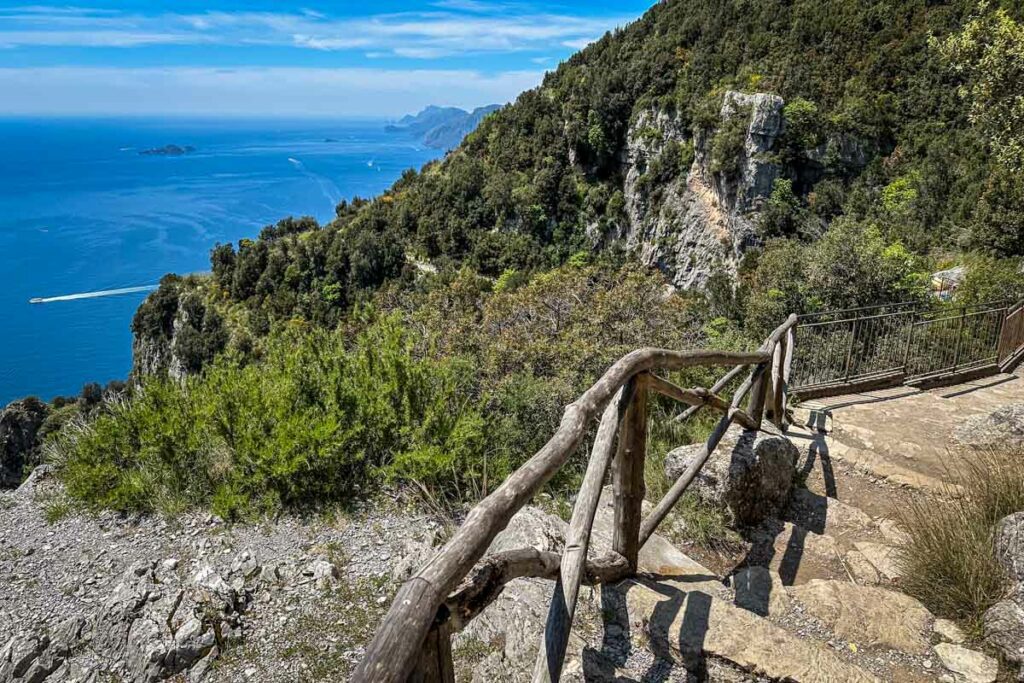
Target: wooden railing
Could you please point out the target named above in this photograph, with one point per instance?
(413, 642)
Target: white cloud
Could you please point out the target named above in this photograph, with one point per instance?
(252, 91)
(578, 43)
(457, 27)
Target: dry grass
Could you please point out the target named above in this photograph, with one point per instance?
(949, 562)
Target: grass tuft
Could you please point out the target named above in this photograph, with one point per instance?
(948, 561)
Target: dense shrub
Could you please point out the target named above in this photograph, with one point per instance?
(311, 424)
(453, 389)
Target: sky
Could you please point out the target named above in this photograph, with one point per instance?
(263, 58)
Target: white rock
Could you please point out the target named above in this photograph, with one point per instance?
(968, 666)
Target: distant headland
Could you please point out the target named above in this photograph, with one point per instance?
(442, 127)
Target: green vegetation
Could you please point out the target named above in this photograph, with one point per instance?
(948, 563)
(450, 390)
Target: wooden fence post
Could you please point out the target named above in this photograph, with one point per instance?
(787, 369)
(779, 382)
(759, 391)
(435, 662)
(628, 476)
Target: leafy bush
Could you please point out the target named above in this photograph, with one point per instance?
(312, 424)
(782, 212)
(948, 561)
(803, 124)
(321, 416)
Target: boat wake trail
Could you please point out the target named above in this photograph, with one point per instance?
(92, 295)
(329, 190)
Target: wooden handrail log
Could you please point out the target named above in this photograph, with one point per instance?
(488, 578)
(392, 653)
(777, 333)
(697, 398)
(722, 383)
(673, 495)
(563, 603)
(772, 339)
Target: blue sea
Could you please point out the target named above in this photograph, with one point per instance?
(83, 212)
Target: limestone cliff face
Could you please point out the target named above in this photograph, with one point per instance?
(155, 354)
(19, 444)
(175, 332)
(703, 219)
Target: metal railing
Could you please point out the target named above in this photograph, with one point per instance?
(904, 343)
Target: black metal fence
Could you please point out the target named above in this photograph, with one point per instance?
(904, 342)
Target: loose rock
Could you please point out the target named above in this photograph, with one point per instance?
(967, 666)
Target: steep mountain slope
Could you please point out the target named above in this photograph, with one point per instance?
(696, 133)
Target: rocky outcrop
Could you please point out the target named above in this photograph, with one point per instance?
(1003, 428)
(149, 628)
(1004, 621)
(19, 445)
(750, 474)
(692, 222)
(176, 331)
(154, 355)
(744, 190)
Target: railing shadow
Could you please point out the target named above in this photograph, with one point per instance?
(975, 385)
(688, 640)
(755, 591)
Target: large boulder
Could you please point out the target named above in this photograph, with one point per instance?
(750, 473)
(1004, 621)
(1010, 545)
(19, 445)
(1004, 628)
(1003, 428)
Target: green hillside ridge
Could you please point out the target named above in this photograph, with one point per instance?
(433, 334)
(521, 191)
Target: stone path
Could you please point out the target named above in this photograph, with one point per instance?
(834, 550)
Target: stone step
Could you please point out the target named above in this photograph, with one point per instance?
(867, 615)
(881, 466)
(688, 626)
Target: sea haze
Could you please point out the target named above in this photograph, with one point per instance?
(82, 211)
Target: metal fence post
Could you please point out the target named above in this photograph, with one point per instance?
(959, 338)
(849, 350)
(910, 342)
